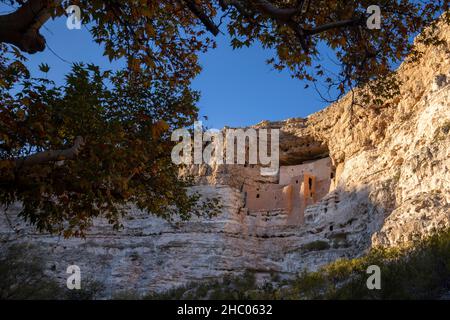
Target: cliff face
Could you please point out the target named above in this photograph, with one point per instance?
(396, 160)
(391, 186)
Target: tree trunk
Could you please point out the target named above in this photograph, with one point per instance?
(21, 28)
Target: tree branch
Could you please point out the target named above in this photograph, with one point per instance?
(21, 28)
(264, 7)
(238, 5)
(268, 8)
(333, 25)
(281, 15)
(51, 155)
(207, 22)
(287, 16)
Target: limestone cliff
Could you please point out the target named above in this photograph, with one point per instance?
(392, 185)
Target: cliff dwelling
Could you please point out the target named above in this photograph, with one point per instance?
(298, 187)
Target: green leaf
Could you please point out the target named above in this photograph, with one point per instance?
(44, 67)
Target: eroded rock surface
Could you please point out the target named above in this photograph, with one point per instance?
(391, 186)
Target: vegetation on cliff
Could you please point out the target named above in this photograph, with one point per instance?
(23, 277)
(419, 271)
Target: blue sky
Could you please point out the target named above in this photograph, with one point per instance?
(237, 87)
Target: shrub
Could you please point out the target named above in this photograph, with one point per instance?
(421, 271)
(23, 277)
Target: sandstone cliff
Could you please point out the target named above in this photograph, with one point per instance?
(392, 186)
